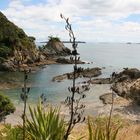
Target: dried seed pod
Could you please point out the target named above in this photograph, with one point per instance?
(83, 96)
(75, 68)
(77, 90)
(22, 96)
(26, 77)
(78, 58)
(23, 89)
(69, 89)
(73, 89)
(83, 119)
(28, 89)
(74, 52)
(78, 118)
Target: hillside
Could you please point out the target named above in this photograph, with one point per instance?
(18, 50)
(15, 45)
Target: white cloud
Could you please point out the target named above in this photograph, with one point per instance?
(93, 20)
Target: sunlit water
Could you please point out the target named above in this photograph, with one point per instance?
(109, 56)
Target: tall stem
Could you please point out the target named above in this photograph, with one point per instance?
(25, 103)
(72, 102)
(109, 120)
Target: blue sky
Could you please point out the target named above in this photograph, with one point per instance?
(133, 18)
(92, 20)
(4, 4)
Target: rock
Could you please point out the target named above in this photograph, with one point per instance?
(67, 61)
(56, 48)
(106, 98)
(134, 93)
(127, 74)
(127, 84)
(89, 73)
(60, 78)
(100, 81)
(7, 66)
(128, 90)
(117, 100)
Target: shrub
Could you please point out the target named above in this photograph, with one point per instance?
(11, 133)
(2, 59)
(6, 107)
(54, 39)
(44, 125)
(5, 51)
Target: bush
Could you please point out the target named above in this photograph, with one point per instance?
(5, 51)
(11, 133)
(54, 39)
(44, 126)
(6, 107)
(2, 59)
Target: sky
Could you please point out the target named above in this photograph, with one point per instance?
(92, 20)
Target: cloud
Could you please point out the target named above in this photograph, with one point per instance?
(93, 20)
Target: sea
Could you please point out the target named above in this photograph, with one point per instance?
(111, 57)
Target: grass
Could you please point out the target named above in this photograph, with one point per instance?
(99, 122)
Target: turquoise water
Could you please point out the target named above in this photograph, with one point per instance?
(114, 57)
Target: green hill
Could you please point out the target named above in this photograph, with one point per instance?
(15, 44)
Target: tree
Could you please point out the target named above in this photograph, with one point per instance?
(6, 106)
(55, 39)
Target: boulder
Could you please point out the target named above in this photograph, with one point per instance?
(89, 73)
(127, 74)
(100, 81)
(127, 84)
(56, 48)
(68, 61)
(7, 66)
(106, 98)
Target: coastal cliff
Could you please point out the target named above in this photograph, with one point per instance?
(15, 45)
(18, 50)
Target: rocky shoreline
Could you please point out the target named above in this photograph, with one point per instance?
(125, 84)
(87, 73)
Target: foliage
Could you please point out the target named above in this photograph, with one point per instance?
(13, 36)
(98, 129)
(5, 51)
(54, 39)
(2, 59)
(32, 38)
(6, 106)
(41, 48)
(45, 125)
(11, 133)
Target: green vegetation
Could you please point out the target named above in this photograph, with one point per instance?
(13, 37)
(6, 107)
(98, 129)
(5, 51)
(44, 125)
(53, 39)
(11, 133)
(40, 125)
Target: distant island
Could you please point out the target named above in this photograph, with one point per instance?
(65, 42)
